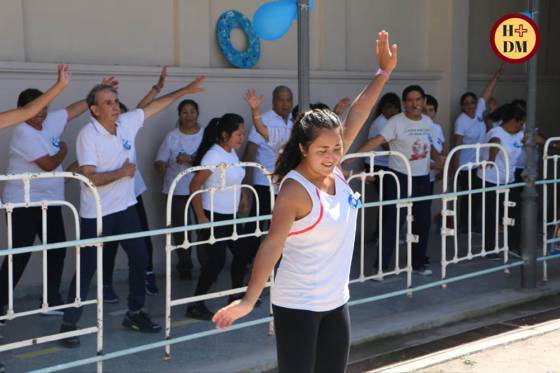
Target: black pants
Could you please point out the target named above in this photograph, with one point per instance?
(26, 225)
(212, 257)
(110, 248)
(490, 227)
(308, 341)
(252, 243)
(121, 222)
(420, 211)
(463, 201)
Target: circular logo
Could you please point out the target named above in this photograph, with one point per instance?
(515, 38)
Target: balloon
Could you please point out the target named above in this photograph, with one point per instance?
(272, 20)
(528, 14)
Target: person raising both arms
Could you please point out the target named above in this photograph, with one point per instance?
(311, 292)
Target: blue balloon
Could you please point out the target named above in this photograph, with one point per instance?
(272, 20)
(528, 14)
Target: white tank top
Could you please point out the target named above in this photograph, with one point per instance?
(315, 267)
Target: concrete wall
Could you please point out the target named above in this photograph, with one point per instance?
(443, 45)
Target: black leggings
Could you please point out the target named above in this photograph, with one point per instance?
(308, 341)
(212, 257)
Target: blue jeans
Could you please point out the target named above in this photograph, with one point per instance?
(121, 222)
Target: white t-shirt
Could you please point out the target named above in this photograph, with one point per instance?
(315, 267)
(175, 143)
(512, 143)
(95, 146)
(412, 139)
(26, 146)
(473, 131)
(438, 139)
(224, 202)
(266, 154)
(374, 130)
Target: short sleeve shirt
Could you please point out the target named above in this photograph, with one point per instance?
(95, 146)
(473, 131)
(29, 144)
(267, 154)
(374, 130)
(412, 139)
(225, 201)
(174, 144)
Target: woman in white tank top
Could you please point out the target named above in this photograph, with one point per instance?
(311, 290)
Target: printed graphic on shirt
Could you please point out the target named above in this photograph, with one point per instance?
(419, 151)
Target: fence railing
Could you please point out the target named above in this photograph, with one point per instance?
(406, 203)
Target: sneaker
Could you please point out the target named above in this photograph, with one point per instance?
(422, 271)
(199, 311)
(70, 342)
(140, 322)
(109, 295)
(151, 287)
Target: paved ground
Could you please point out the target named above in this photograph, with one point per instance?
(251, 349)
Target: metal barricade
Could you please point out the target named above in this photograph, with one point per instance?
(187, 244)
(410, 238)
(78, 302)
(448, 211)
(551, 228)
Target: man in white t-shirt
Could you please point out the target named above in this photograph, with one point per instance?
(36, 147)
(260, 151)
(408, 133)
(104, 149)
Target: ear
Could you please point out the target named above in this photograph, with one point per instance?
(95, 110)
(302, 150)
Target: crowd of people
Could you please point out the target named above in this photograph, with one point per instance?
(302, 151)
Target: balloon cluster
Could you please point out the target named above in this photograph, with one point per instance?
(274, 19)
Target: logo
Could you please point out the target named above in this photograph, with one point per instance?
(515, 38)
(55, 142)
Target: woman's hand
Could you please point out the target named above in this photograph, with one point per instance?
(235, 310)
(161, 81)
(183, 158)
(386, 56)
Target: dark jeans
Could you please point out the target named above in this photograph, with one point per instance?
(252, 243)
(212, 257)
(308, 341)
(110, 248)
(420, 211)
(372, 190)
(121, 222)
(463, 201)
(26, 225)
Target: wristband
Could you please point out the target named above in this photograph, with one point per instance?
(380, 71)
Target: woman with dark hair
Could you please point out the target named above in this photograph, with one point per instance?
(176, 154)
(471, 129)
(315, 204)
(222, 137)
(510, 136)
